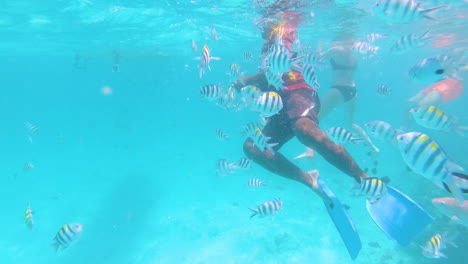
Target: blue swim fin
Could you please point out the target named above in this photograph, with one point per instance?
(343, 223)
(401, 218)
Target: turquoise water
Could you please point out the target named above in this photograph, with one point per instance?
(136, 167)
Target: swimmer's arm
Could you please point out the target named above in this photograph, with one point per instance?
(258, 80)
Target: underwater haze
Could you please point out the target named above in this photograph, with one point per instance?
(103, 124)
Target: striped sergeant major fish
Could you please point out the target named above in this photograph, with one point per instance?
(372, 188)
(409, 42)
(251, 128)
(310, 77)
(373, 37)
(268, 104)
(224, 167)
(342, 136)
(433, 118)
(31, 127)
(66, 236)
(28, 217)
(401, 11)
(364, 49)
(221, 135)
(235, 74)
(438, 242)
(211, 91)
(382, 131)
(279, 59)
(383, 90)
(267, 208)
(250, 94)
(424, 156)
(205, 60)
(255, 183)
(243, 163)
(275, 80)
(261, 141)
(248, 55)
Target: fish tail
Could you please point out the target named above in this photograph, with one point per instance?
(456, 191)
(458, 129)
(425, 35)
(55, 246)
(426, 11)
(255, 212)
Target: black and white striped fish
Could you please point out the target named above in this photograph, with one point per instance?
(424, 156)
(310, 77)
(205, 60)
(211, 91)
(381, 131)
(235, 74)
(261, 141)
(409, 42)
(268, 104)
(438, 242)
(342, 136)
(373, 37)
(221, 135)
(279, 59)
(364, 48)
(255, 183)
(28, 217)
(251, 128)
(372, 188)
(31, 127)
(434, 118)
(250, 93)
(224, 167)
(401, 11)
(243, 163)
(267, 208)
(275, 80)
(248, 55)
(383, 90)
(67, 235)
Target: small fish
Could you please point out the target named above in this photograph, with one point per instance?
(425, 157)
(28, 166)
(221, 135)
(382, 131)
(214, 34)
(248, 55)
(255, 183)
(309, 153)
(373, 37)
(275, 80)
(383, 90)
(310, 77)
(235, 74)
(251, 128)
(433, 69)
(433, 247)
(261, 141)
(433, 118)
(28, 218)
(205, 60)
(365, 49)
(228, 100)
(372, 188)
(224, 167)
(250, 93)
(194, 46)
(409, 42)
(211, 92)
(267, 208)
(67, 235)
(243, 163)
(32, 128)
(268, 104)
(342, 136)
(401, 11)
(279, 59)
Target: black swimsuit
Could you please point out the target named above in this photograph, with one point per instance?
(348, 92)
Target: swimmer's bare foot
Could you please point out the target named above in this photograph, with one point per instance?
(309, 153)
(313, 177)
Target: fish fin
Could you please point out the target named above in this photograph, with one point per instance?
(426, 11)
(386, 179)
(215, 58)
(356, 140)
(460, 175)
(456, 191)
(55, 246)
(425, 35)
(458, 129)
(453, 167)
(197, 58)
(255, 212)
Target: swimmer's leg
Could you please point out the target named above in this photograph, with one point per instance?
(330, 100)
(278, 164)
